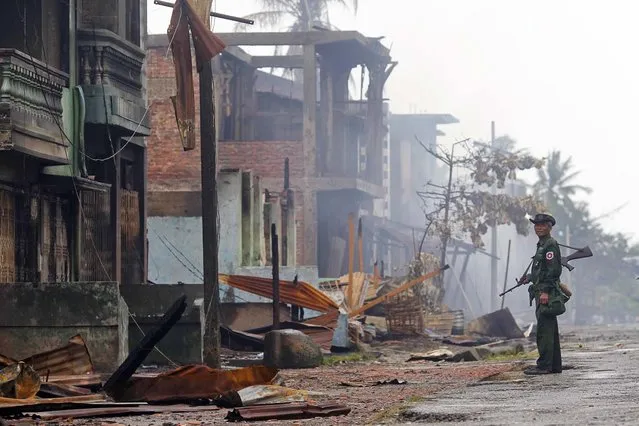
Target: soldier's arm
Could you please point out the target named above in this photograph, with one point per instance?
(551, 269)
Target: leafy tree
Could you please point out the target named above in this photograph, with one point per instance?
(466, 206)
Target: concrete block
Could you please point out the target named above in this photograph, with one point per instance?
(291, 349)
(39, 317)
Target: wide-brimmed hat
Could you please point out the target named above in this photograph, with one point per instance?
(543, 218)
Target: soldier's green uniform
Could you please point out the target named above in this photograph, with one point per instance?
(544, 276)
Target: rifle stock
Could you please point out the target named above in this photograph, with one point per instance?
(579, 254)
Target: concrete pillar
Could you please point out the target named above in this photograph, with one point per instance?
(309, 147)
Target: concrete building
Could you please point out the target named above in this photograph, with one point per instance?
(411, 166)
(335, 146)
(72, 172)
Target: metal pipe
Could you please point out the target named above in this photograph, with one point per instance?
(213, 14)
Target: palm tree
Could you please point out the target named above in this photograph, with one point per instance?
(306, 15)
(556, 188)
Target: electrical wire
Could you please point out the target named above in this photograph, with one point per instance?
(73, 178)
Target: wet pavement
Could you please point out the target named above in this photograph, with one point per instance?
(601, 388)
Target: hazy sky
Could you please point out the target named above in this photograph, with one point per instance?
(551, 74)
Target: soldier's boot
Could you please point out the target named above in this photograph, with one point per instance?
(536, 371)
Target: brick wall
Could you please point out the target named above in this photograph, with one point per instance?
(170, 168)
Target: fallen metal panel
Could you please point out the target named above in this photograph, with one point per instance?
(57, 390)
(240, 340)
(322, 336)
(85, 413)
(71, 359)
(297, 293)
(286, 412)
(262, 395)
(194, 382)
(327, 320)
(84, 380)
(30, 403)
(19, 381)
(5, 360)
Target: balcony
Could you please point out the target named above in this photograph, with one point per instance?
(31, 107)
(111, 77)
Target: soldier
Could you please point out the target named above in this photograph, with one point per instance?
(544, 279)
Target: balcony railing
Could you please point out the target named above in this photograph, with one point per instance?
(31, 107)
(110, 72)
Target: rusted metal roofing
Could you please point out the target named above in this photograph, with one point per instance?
(5, 360)
(300, 293)
(194, 382)
(71, 359)
(321, 335)
(295, 410)
(84, 380)
(262, 395)
(111, 411)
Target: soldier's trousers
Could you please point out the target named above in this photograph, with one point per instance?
(548, 343)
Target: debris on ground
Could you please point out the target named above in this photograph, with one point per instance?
(500, 323)
(19, 381)
(286, 412)
(291, 349)
(261, 395)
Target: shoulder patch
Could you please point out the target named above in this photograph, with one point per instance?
(550, 255)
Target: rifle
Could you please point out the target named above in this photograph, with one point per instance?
(580, 253)
(521, 281)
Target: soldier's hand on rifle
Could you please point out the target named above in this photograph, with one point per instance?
(543, 298)
(524, 280)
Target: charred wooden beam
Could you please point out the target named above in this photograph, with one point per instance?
(278, 61)
(116, 383)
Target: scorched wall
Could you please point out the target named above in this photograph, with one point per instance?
(170, 168)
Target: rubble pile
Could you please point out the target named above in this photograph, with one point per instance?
(62, 384)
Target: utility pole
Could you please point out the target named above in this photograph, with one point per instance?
(208, 163)
(493, 239)
(208, 158)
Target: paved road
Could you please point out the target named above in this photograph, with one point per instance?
(603, 388)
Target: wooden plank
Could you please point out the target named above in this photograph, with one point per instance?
(397, 291)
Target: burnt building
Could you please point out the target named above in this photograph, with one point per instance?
(72, 152)
(73, 119)
(336, 145)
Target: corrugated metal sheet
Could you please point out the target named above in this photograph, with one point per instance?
(71, 359)
(262, 395)
(6, 403)
(90, 412)
(321, 335)
(300, 293)
(293, 410)
(194, 382)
